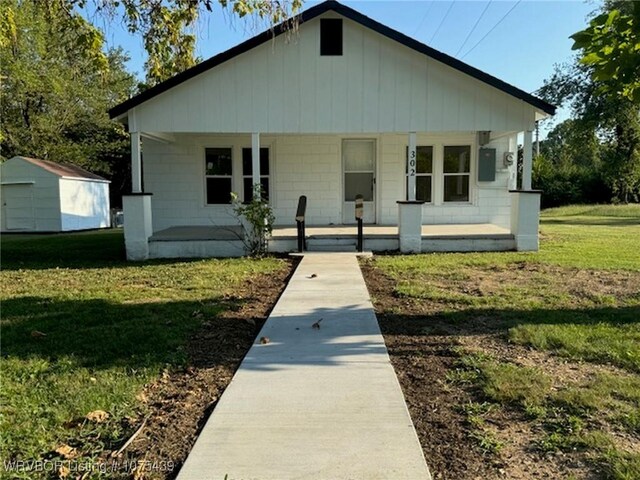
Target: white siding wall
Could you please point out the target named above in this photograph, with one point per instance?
(45, 191)
(378, 85)
(311, 165)
(84, 204)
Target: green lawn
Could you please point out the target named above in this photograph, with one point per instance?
(578, 299)
(84, 330)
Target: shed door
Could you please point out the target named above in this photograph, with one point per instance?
(17, 203)
(359, 165)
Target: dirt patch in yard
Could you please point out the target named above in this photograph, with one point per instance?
(424, 345)
(180, 402)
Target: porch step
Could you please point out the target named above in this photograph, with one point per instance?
(331, 244)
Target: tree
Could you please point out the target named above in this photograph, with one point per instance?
(610, 45)
(167, 26)
(55, 91)
(604, 104)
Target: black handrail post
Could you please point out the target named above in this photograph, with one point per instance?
(359, 215)
(300, 214)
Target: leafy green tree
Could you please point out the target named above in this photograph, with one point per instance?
(55, 92)
(605, 105)
(167, 27)
(610, 45)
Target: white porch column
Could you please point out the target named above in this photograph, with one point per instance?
(255, 158)
(137, 225)
(136, 163)
(527, 159)
(410, 226)
(513, 168)
(525, 218)
(412, 159)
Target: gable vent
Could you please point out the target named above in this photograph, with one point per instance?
(331, 36)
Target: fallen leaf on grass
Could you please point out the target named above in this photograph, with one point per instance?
(38, 334)
(66, 451)
(63, 472)
(97, 416)
(141, 397)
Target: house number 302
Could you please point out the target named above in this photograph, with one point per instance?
(412, 163)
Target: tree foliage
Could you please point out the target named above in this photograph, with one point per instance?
(55, 91)
(167, 27)
(610, 45)
(603, 105)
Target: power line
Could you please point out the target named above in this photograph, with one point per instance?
(474, 28)
(492, 29)
(424, 17)
(441, 22)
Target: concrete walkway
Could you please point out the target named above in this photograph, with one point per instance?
(313, 403)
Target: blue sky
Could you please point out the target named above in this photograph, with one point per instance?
(522, 49)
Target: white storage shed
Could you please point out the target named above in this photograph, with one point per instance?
(44, 196)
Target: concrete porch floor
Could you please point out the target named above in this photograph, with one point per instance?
(234, 232)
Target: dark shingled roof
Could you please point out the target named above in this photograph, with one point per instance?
(353, 15)
(66, 170)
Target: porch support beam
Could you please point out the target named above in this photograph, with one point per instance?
(159, 137)
(412, 159)
(255, 158)
(527, 160)
(136, 163)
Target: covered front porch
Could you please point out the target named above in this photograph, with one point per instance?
(206, 241)
(423, 192)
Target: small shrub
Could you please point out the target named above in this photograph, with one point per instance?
(257, 218)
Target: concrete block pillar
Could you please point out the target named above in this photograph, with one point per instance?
(137, 225)
(410, 226)
(525, 219)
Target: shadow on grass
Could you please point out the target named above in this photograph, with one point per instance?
(99, 334)
(483, 321)
(592, 221)
(95, 249)
(608, 335)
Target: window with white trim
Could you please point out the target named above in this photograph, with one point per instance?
(218, 175)
(424, 173)
(247, 174)
(457, 173)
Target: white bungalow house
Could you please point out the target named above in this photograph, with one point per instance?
(340, 107)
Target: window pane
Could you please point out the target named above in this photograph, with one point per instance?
(218, 161)
(218, 190)
(423, 188)
(248, 189)
(457, 159)
(424, 162)
(358, 155)
(358, 184)
(456, 188)
(247, 164)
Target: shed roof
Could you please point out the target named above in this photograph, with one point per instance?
(354, 15)
(65, 170)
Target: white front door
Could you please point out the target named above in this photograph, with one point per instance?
(17, 204)
(359, 178)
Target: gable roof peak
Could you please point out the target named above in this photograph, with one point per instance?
(351, 14)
